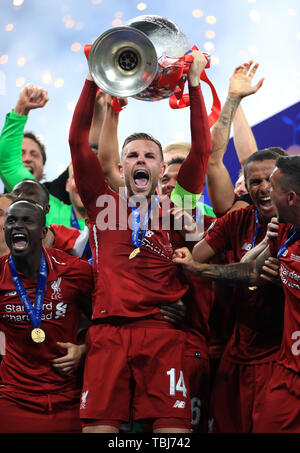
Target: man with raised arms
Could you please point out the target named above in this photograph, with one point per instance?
(252, 350)
(134, 272)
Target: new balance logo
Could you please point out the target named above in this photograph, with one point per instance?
(211, 422)
(179, 404)
(10, 293)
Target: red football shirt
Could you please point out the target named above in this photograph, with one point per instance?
(290, 278)
(136, 287)
(129, 288)
(198, 300)
(259, 313)
(27, 365)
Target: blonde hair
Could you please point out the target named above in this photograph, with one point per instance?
(182, 147)
(10, 196)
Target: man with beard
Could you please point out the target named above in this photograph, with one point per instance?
(281, 405)
(134, 275)
(252, 350)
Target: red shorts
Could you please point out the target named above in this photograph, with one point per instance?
(197, 372)
(281, 410)
(22, 412)
(139, 365)
(238, 395)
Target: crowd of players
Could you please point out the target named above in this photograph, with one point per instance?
(126, 303)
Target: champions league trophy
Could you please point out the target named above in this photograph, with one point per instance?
(148, 58)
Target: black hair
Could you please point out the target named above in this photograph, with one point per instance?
(40, 184)
(176, 160)
(290, 169)
(42, 147)
(143, 136)
(34, 203)
(259, 156)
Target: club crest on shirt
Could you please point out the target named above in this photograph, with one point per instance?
(285, 252)
(55, 285)
(83, 399)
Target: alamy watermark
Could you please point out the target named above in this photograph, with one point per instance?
(116, 213)
(2, 343)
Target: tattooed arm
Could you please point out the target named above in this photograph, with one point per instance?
(243, 138)
(220, 187)
(237, 274)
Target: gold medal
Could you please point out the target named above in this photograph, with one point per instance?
(38, 335)
(134, 253)
(252, 288)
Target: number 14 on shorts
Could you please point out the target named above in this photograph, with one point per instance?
(176, 385)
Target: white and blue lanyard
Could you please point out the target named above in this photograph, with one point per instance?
(34, 312)
(136, 223)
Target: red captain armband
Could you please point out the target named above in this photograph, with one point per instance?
(181, 100)
(116, 106)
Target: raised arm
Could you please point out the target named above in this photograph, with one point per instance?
(108, 147)
(191, 176)
(219, 184)
(97, 121)
(243, 138)
(12, 170)
(87, 169)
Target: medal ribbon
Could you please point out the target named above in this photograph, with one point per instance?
(256, 230)
(136, 223)
(35, 313)
(181, 100)
(74, 220)
(291, 239)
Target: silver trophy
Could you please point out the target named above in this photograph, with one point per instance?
(136, 58)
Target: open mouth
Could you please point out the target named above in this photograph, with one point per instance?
(266, 202)
(19, 241)
(141, 178)
(29, 168)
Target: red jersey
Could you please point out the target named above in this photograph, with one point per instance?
(290, 278)
(199, 301)
(130, 288)
(258, 313)
(27, 365)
